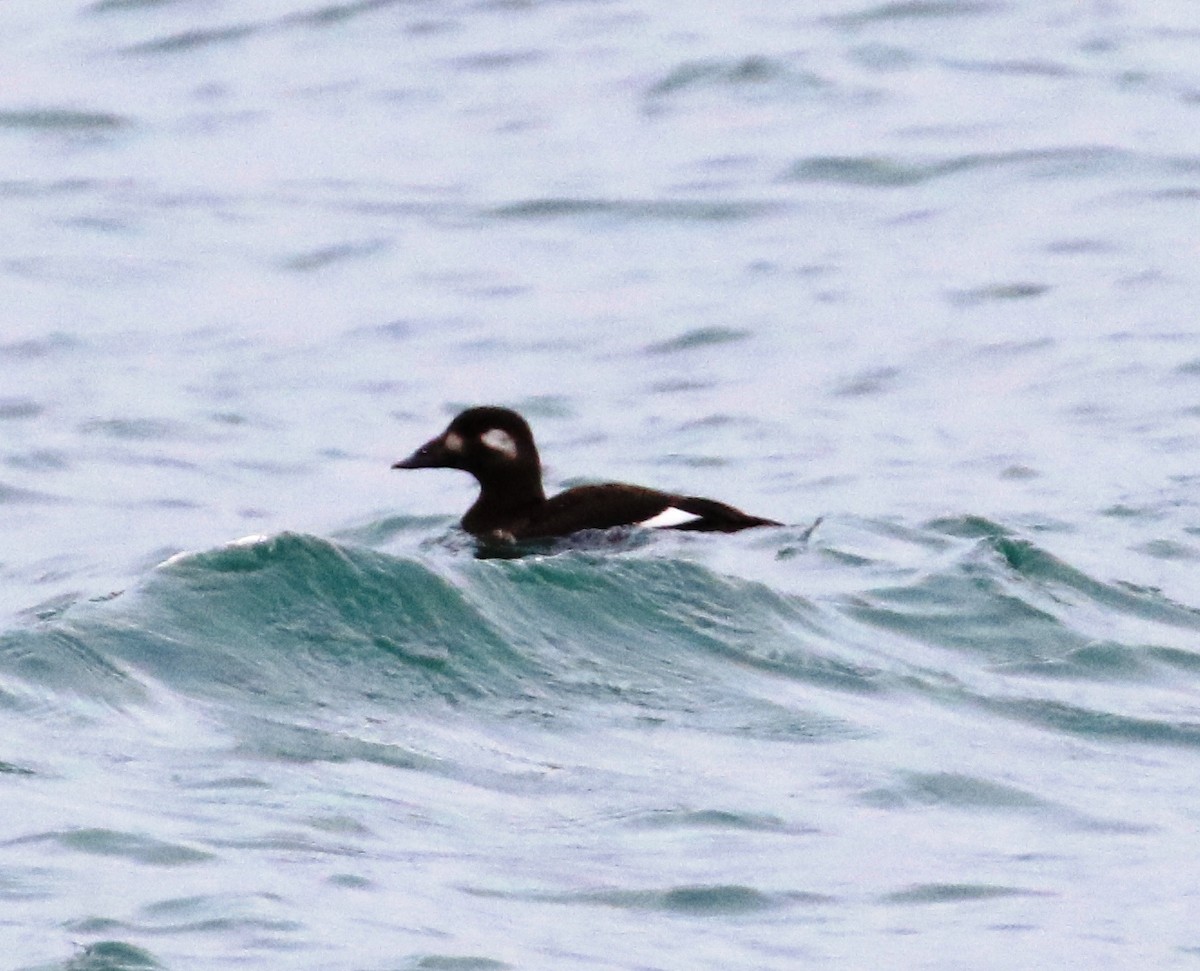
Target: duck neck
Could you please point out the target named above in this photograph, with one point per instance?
(506, 494)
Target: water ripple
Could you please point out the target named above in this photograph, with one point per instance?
(1072, 162)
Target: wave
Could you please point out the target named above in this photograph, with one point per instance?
(296, 633)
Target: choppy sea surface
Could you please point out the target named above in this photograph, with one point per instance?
(922, 272)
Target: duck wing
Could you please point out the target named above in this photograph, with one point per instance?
(616, 504)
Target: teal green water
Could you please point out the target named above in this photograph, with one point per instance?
(617, 633)
(294, 746)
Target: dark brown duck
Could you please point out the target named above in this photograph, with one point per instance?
(496, 446)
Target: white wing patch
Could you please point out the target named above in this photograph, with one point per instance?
(500, 441)
(669, 517)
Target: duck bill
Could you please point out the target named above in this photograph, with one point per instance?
(432, 455)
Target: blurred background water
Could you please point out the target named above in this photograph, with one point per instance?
(926, 269)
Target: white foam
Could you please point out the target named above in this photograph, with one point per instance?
(252, 540)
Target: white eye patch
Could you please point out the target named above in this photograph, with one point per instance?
(500, 441)
(669, 517)
(454, 442)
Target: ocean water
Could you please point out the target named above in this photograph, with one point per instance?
(918, 278)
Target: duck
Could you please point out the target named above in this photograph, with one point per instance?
(495, 445)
